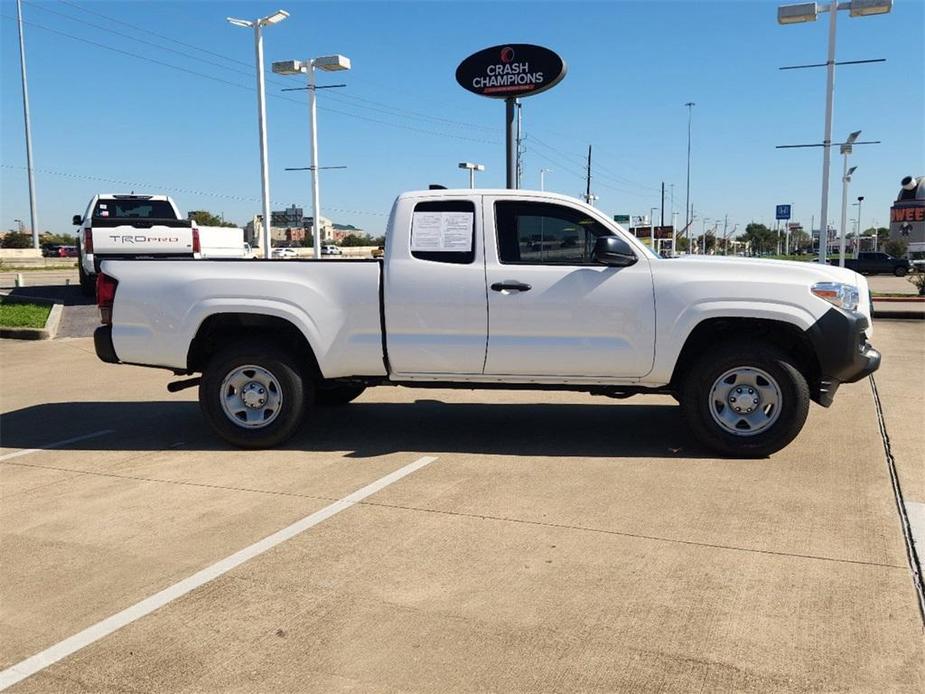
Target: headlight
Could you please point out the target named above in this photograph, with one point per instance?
(842, 295)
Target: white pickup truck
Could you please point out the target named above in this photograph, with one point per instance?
(497, 289)
(130, 226)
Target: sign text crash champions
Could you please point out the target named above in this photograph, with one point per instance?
(510, 70)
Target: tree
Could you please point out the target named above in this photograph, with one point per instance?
(65, 239)
(354, 240)
(762, 239)
(896, 247)
(16, 240)
(207, 219)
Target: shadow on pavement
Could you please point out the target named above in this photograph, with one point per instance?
(371, 429)
(69, 295)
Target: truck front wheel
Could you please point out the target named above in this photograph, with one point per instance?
(745, 400)
(900, 271)
(253, 395)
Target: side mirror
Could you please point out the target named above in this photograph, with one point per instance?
(77, 220)
(613, 251)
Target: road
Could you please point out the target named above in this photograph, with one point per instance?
(538, 542)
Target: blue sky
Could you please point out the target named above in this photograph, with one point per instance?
(403, 122)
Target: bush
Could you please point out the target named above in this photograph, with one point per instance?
(896, 247)
(354, 240)
(918, 279)
(16, 240)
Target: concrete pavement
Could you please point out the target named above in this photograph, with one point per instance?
(558, 543)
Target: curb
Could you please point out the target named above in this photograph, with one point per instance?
(904, 315)
(46, 333)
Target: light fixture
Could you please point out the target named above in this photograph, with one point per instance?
(797, 14)
(863, 8)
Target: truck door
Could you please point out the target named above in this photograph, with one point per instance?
(552, 310)
(436, 311)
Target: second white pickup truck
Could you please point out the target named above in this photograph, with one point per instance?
(497, 289)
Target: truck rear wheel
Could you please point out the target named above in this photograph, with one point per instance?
(340, 395)
(87, 281)
(253, 395)
(745, 400)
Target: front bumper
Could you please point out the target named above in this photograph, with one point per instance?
(102, 343)
(842, 350)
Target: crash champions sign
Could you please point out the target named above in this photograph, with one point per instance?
(511, 70)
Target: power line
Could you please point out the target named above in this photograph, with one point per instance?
(249, 88)
(175, 189)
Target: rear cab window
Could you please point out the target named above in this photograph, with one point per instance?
(444, 231)
(133, 209)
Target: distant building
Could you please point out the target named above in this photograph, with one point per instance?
(290, 217)
(327, 228)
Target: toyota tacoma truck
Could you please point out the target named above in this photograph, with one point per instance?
(130, 226)
(497, 289)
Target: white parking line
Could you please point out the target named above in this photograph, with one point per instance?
(56, 444)
(62, 649)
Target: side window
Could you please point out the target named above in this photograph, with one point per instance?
(444, 231)
(539, 233)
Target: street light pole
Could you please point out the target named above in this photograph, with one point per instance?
(543, 172)
(25, 111)
(257, 25)
(316, 188)
(845, 150)
(652, 228)
(807, 12)
(687, 205)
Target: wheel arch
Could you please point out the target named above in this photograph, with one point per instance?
(784, 335)
(219, 329)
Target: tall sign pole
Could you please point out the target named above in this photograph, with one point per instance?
(509, 72)
(25, 112)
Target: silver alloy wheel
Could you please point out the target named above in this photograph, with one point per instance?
(745, 401)
(251, 396)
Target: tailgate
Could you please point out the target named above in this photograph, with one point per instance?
(153, 237)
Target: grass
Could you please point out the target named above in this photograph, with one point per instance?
(5, 267)
(16, 314)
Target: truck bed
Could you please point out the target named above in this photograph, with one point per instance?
(335, 303)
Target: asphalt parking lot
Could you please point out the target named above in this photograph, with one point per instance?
(510, 541)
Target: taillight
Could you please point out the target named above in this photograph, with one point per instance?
(196, 247)
(105, 295)
(88, 240)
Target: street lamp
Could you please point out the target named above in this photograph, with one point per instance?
(328, 63)
(687, 203)
(652, 228)
(543, 172)
(845, 150)
(472, 168)
(808, 12)
(257, 25)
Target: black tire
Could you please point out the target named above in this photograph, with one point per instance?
(900, 271)
(87, 282)
(341, 395)
(696, 401)
(285, 381)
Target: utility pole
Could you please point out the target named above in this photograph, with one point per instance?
(725, 237)
(662, 222)
(25, 112)
(543, 173)
(588, 179)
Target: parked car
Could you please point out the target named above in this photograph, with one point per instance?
(50, 250)
(462, 300)
(876, 264)
(331, 250)
(67, 252)
(284, 253)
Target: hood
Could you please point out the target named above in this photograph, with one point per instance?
(807, 272)
(822, 272)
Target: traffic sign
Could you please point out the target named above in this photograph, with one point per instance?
(783, 211)
(621, 218)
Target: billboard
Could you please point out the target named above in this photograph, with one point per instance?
(907, 215)
(511, 70)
